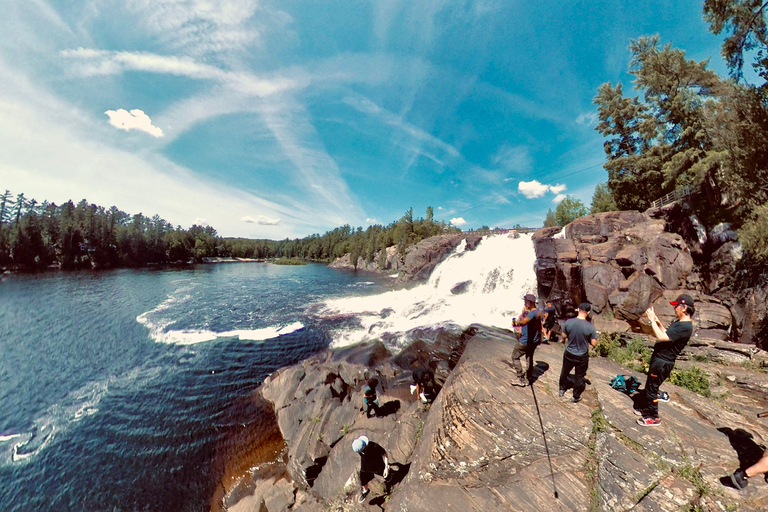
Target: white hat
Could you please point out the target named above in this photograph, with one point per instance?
(359, 444)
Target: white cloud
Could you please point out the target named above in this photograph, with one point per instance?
(261, 219)
(557, 189)
(134, 120)
(558, 198)
(532, 189)
(199, 221)
(458, 221)
(371, 221)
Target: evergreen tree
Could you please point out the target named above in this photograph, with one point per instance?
(602, 200)
(568, 210)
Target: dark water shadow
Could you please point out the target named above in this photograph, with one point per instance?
(388, 408)
(743, 442)
(397, 473)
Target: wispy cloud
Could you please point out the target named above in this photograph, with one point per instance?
(134, 120)
(587, 119)
(261, 219)
(419, 138)
(91, 62)
(515, 159)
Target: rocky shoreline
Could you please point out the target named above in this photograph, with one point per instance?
(480, 445)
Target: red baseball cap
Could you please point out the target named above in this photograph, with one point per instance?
(683, 299)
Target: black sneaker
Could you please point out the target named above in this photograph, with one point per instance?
(561, 393)
(361, 498)
(664, 397)
(575, 400)
(740, 479)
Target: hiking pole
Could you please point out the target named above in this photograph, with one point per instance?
(762, 414)
(546, 447)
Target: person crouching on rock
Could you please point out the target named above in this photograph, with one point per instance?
(581, 334)
(423, 380)
(373, 461)
(529, 338)
(668, 346)
(370, 400)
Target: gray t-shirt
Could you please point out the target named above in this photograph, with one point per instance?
(579, 333)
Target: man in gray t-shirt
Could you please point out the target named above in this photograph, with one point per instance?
(580, 334)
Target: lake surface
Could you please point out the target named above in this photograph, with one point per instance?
(118, 388)
(133, 390)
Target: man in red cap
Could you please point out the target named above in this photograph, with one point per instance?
(669, 344)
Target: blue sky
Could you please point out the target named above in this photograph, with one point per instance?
(276, 119)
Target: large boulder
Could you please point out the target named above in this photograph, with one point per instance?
(423, 257)
(620, 262)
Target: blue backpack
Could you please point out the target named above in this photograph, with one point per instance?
(625, 383)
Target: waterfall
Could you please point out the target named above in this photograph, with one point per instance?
(482, 286)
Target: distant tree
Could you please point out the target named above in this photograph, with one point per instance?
(602, 200)
(550, 221)
(754, 235)
(568, 210)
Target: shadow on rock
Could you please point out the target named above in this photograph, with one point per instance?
(397, 474)
(743, 442)
(539, 369)
(388, 408)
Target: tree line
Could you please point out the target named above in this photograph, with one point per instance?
(85, 235)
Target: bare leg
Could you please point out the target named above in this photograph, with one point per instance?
(758, 468)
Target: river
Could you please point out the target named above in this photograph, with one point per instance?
(119, 389)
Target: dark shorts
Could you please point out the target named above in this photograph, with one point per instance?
(365, 477)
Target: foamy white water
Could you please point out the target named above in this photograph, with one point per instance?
(481, 286)
(194, 336)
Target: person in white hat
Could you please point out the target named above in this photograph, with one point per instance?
(373, 461)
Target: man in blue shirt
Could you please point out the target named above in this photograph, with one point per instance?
(580, 334)
(529, 338)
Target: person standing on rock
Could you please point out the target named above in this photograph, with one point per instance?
(580, 334)
(529, 337)
(370, 399)
(548, 321)
(373, 461)
(669, 344)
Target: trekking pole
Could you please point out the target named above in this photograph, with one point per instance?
(762, 414)
(546, 447)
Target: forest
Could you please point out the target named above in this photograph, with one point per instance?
(84, 235)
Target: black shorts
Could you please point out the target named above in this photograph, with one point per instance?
(365, 477)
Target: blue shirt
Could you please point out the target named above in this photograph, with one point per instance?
(530, 331)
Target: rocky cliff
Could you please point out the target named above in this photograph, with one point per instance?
(623, 262)
(481, 445)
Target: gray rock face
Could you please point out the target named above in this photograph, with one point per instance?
(622, 263)
(422, 258)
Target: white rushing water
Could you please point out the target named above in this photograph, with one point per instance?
(481, 286)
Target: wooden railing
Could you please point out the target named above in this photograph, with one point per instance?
(673, 197)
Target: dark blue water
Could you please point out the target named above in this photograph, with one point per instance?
(124, 390)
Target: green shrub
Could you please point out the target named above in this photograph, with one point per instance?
(693, 379)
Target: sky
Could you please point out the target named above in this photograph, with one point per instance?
(274, 119)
